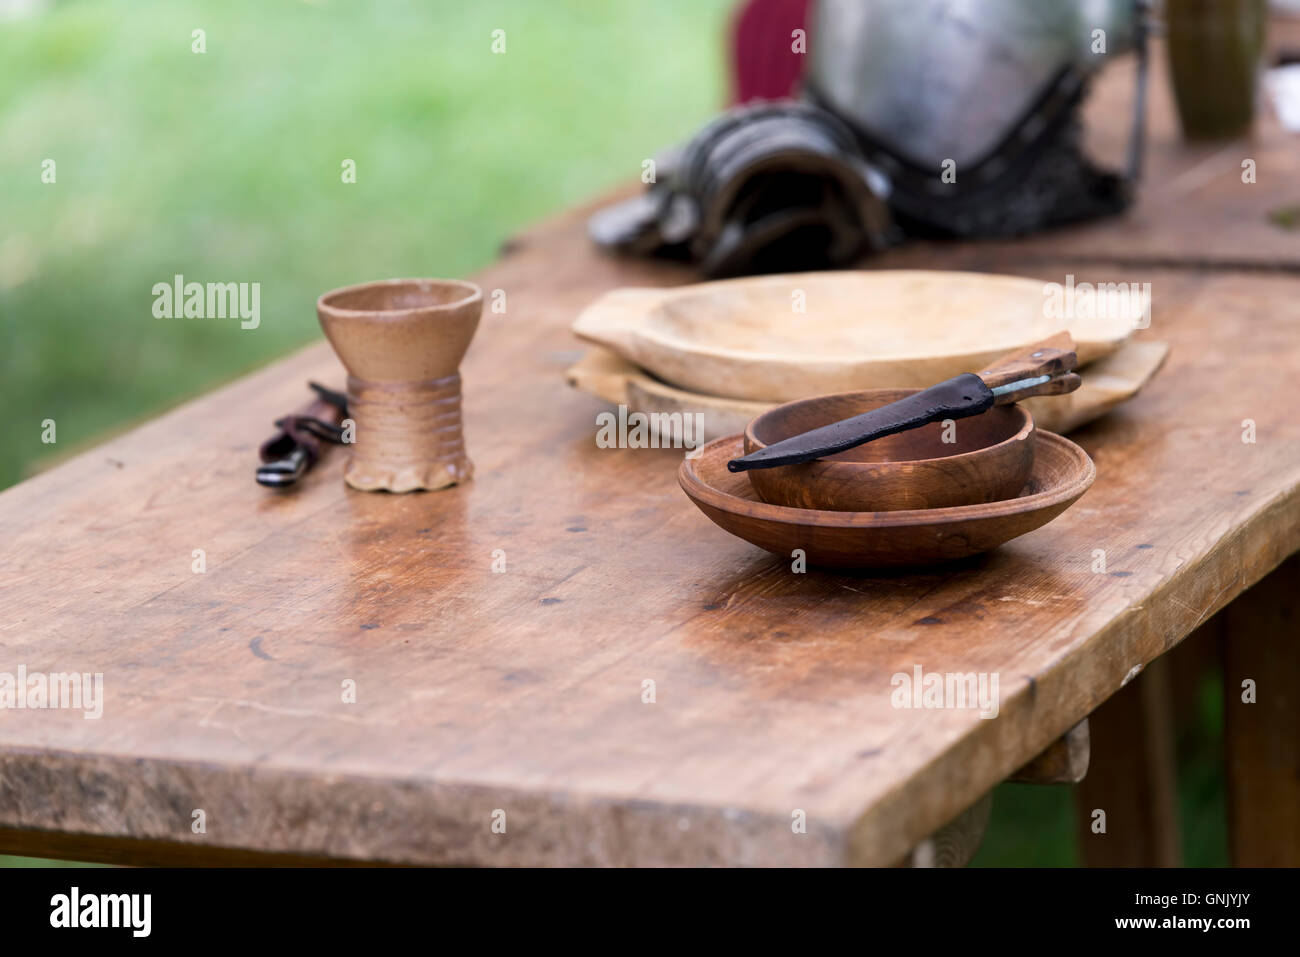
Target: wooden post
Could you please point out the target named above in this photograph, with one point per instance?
(1131, 778)
(1065, 760)
(954, 844)
(1262, 739)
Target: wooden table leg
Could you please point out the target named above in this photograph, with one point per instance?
(954, 844)
(1262, 739)
(1131, 778)
(1065, 760)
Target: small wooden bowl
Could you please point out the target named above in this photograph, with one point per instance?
(990, 459)
(1062, 472)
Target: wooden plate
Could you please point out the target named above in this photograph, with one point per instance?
(1106, 384)
(776, 338)
(1062, 472)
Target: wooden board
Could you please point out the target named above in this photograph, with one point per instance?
(777, 338)
(1261, 703)
(1106, 383)
(1126, 807)
(524, 691)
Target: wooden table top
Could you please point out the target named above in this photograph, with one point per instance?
(522, 691)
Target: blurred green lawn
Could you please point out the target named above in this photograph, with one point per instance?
(225, 166)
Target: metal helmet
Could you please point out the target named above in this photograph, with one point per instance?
(897, 92)
(765, 187)
(937, 80)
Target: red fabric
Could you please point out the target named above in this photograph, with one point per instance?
(764, 65)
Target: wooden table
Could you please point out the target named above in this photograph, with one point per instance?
(520, 696)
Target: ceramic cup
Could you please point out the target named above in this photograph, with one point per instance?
(401, 341)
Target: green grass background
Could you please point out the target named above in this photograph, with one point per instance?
(225, 166)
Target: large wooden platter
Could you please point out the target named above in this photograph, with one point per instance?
(1106, 383)
(776, 338)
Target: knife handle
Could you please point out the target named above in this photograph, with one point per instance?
(287, 455)
(1053, 357)
(1057, 385)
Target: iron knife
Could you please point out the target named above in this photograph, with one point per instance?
(1046, 368)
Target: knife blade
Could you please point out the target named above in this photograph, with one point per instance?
(1042, 369)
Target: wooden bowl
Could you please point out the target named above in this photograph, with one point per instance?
(989, 460)
(1062, 472)
(777, 338)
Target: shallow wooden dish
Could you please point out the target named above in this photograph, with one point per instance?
(776, 338)
(1106, 383)
(990, 458)
(1062, 472)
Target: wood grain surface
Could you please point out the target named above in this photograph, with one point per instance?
(1126, 807)
(523, 691)
(1261, 699)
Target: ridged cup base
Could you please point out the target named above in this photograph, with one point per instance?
(408, 436)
